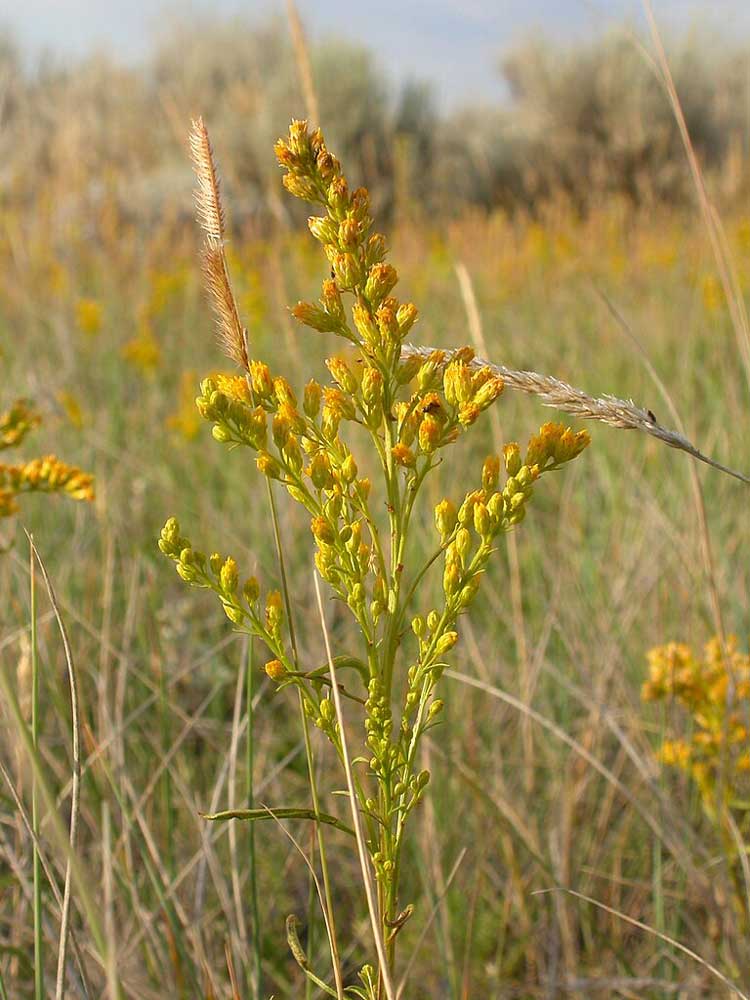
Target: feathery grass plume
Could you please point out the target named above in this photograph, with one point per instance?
(621, 413)
(210, 213)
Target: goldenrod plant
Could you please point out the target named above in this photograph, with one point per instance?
(39, 475)
(413, 412)
(713, 690)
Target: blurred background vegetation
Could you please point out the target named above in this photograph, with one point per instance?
(586, 120)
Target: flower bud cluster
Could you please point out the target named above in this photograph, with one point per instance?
(219, 574)
(554, 445)
(42, 475)
(16, 423)
(356, 258)
(469, 392)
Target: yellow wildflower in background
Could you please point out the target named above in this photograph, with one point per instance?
(72, 408)
(712, 293)
(186, 420)
(143, 351)
(16, 423)
(715, 692)
(88, 316)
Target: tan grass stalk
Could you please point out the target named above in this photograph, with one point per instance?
(727, 272)
(304, 66)
(211, 218)
(621, 413)
(385, 972)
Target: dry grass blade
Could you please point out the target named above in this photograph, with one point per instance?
(302, 58)
(215, 271)
(735, 990)
(621, 413)
(75, 794)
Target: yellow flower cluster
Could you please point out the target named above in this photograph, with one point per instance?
(41, 475)
(143, 351)
(715, 691)
(89, 316)
(186, 420)
(16, 423)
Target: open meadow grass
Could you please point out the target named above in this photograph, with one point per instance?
(545, 768)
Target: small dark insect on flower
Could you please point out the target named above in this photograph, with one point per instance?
(652, 417)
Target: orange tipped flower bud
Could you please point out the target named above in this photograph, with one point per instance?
(445, 518)
(320, 472)
(251, 590)
(446, 642)
(314, 317)
(330, 298)
(260, 379)
(363, 487)
(490, 473)
(274, 611)
(268, 465)
(365, 323)
(457, 383)
(488, 393)
(372, 388)
(408, 369)
(348, 234)
(311, 400)
(403, 455)
(512, 456)
(338, 197)
(482, 523)
(380, 280)
(322, 531)
(375, 250)
(349, 469)
(407, 316)
(430, 432)
(347, 269)
(342, 373)
(323, 228)
(276, 670)
(229, 576)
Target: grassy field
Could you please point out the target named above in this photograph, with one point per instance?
(545, 772)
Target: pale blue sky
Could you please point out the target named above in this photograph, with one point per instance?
(453, 43)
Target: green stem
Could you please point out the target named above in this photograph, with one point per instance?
(37, 865)
(308, 749)
(254, 974)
